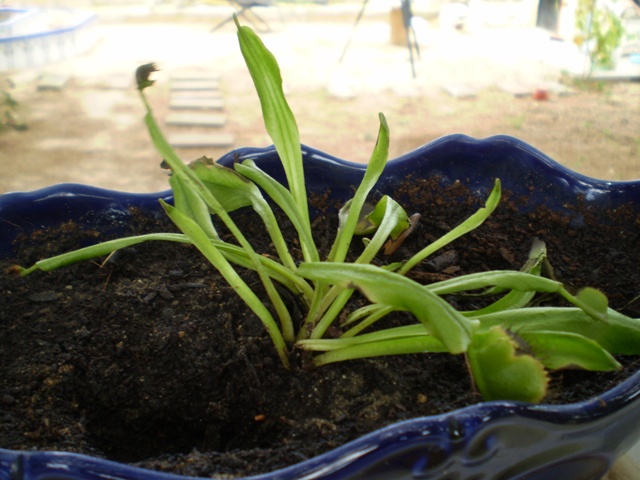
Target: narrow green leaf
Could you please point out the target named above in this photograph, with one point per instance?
(203, 243)
(191, 181)
(508, 279)
(400, 346)
(474, 221)
(233, 253)
(374, 169)
(283, 198)
(278, 118)
(388, 288)
(619, 335)
(394, 333)
(99, 250)
(516, 298)
(325, 310)
(192, 205)
(510, 301)
(372, 316)
(336, 298)
(234, 191)
(274, 269)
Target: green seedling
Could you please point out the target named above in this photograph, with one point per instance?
(508, 344)
(9, 116)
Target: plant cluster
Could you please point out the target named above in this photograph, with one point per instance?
(8, 109)
(600, 30)
(509, 344)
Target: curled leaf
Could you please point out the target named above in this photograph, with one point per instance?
(143, 72)
(394, 243)
(502, 371)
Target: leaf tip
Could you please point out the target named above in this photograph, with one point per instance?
(16, 270)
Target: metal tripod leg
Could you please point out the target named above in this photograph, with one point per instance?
(409, 30)
(244, 11)
(353, 30)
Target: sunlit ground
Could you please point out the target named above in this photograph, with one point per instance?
(91, 130)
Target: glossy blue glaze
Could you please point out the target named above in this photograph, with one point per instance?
(495, 440)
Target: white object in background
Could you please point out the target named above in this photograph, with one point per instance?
(453, 16)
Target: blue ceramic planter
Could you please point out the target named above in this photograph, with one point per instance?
(494, 440)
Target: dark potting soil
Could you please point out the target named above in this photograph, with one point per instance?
(149, 358)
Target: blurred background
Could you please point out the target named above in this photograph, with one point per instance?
(560, 75)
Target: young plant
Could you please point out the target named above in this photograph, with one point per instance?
(509, 346)
(9, 116)
(600, 30)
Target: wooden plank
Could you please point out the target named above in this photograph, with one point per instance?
(195, 85)
(516, 89)
(200, 140)
(196, 94)
(460, 90)
(198, 76)
(186, 103)
(52, 82)
(196, 119)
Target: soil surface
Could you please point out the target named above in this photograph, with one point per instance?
(148, 358)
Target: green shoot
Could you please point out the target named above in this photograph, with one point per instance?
(509, 345)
